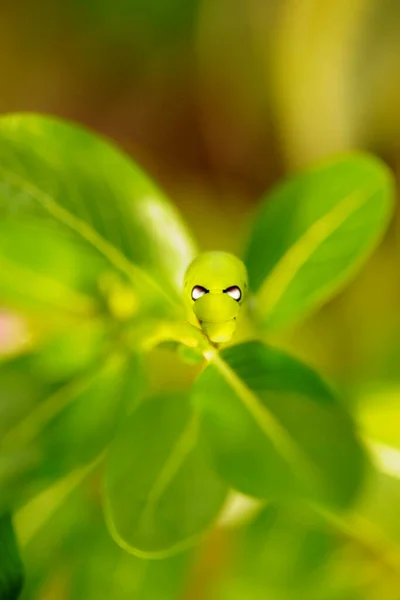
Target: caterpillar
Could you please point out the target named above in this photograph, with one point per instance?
(215, 287)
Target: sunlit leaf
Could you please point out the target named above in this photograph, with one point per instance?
(275, 429)
(312, 233)
(161, 495)
(68, 353)
(58, 172)
(47, 271)
(379, 413)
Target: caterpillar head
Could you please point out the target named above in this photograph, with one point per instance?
(215, 287)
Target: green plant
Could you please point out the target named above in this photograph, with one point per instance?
(92, 250)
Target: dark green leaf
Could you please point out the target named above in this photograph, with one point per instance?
(11, 568)
(54, 171)
(275, 429)
(161, 495)
(312, 233)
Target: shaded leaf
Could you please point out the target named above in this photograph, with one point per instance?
(111, 572)
(161, 495)
(74, 542)
(28, 378)
(274, 428)
(52, 425)
(313, 231)
(11, 568)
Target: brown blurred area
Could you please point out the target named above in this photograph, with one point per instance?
(218, 99)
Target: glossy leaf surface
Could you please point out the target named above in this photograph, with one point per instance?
(275, 429)
(313, 231)
(60, 173)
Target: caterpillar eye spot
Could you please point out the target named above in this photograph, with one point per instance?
(234, 292)
(198, 291)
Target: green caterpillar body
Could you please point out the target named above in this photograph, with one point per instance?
(215, 287)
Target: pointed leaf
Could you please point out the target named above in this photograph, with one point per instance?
(313, 231)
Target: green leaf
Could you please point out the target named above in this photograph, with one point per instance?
(45, 271)
(73, 542)
(11, 568)
(27, 379)
(313, 232)
(274, 428)
(161, 495)
(50, 424)
(102, 570)
(58, 172)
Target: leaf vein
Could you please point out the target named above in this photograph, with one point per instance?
(285, 271)
(87, 233)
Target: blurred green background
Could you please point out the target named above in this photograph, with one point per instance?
(217, 100)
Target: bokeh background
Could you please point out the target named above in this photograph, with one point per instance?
(218, 100)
